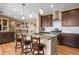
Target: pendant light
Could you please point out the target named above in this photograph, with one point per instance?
(23, 16)
(31, 15)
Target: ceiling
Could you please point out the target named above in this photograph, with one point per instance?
(15, 10)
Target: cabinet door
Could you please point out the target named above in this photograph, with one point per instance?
(74, 18)
(43, 21)
(46, 21)
(5, 24)
(70, 18)
(65, 19)
(49, 20)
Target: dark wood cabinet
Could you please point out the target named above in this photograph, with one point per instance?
(46, 20)
(69, 39)
(6, 37)
(70, 18)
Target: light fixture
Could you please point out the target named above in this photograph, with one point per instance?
(15, 16)
(8, 13)
(31, 15)
(51, 5)
(23, 16)
(41, 11)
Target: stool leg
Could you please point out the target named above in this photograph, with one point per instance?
(21, 51)
(21, 44)
(21, 47)
(30, 47)
(33, 52)
(16, 47)
(43, 52)
(38, 53)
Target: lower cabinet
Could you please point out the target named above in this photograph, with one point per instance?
(6, 37)
(69, 39)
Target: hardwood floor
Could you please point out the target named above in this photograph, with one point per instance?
(9, 49)
(65, 50)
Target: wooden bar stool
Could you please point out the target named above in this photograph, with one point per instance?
(26, 45)
(18, 42)
(37, 46)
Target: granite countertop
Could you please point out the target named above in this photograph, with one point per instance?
(48, 36)
(50, 31)
(44, 32)
(56, 31)
(45, 36)
(70, 33)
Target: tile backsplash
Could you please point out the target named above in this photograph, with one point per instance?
(70, 30)
(57, 24)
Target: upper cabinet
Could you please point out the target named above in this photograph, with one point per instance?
(9, 25)
(46, 20)
(4, 24)
(70, 18)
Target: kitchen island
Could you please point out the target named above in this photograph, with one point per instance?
(50, 42)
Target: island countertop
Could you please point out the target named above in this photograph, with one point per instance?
(47, 36)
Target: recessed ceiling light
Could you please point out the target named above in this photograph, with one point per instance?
(41, 11)
(14, 9)
(31, 15)
(23, 17)
(14, 16)
(8, 13)
(51, 5)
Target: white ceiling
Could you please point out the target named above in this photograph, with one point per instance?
(15, 10)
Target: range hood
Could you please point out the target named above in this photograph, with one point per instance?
(56, 15)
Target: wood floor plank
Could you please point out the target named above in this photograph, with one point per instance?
(65, 50)
(9, 49)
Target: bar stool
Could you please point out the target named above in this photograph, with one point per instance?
(18, 42)
(37, 46)
(26, 45)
